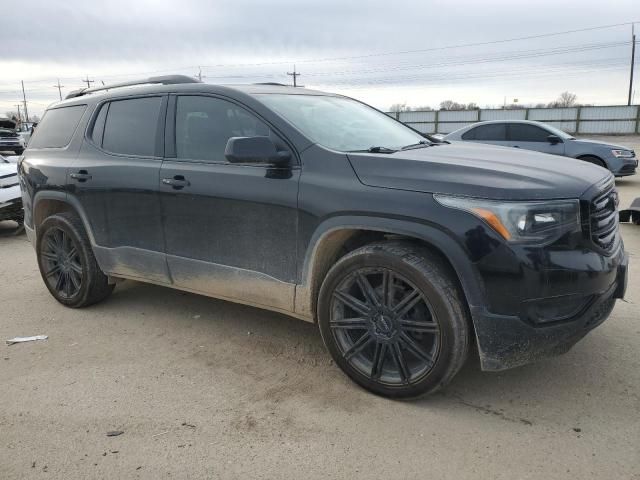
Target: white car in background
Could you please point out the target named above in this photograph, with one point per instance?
(10, 196)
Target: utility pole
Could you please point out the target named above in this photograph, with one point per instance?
(24, 101)
(633, 57)
(88, 82)
(199, 75)
(19, 115)
(59, 87)
(295, 75)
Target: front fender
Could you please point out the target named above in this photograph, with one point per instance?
(448, 246)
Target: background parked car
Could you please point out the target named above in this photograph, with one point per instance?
(10, 140)
(621, 161)
(10, 196)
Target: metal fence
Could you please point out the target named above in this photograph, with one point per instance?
(611, 120)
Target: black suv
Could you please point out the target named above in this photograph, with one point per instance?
(405, 251)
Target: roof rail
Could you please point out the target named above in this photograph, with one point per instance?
(162, 80)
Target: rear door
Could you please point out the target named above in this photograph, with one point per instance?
(230, 229)
(115, 178)
(532, 137)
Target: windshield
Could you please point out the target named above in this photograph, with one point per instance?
(341, 123)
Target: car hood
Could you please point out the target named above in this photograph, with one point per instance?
(583, 141)
(7, 123)
(477, 170)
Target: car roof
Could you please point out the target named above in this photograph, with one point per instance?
(246, 89)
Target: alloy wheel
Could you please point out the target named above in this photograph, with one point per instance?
(62, 264)
(384, 326)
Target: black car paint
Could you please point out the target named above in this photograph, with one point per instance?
(237, 224)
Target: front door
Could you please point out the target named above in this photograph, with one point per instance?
(115, 179)
(533, 137)
(230, 229)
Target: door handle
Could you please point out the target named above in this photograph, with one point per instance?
(81, 176)
(178, 182)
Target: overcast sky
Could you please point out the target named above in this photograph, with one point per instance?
(382, 52)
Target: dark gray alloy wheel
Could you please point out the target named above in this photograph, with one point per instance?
(67, 264)
(393, 319)
(62, 265)
(384, 326)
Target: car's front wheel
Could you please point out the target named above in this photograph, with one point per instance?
(394, 319)
(67, 264)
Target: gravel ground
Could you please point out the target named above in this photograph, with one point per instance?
(208, 389)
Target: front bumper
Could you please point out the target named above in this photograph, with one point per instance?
(12, 210)
(628, 167)
(506, 341)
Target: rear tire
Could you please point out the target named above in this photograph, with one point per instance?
(394, 320)
(67, 264)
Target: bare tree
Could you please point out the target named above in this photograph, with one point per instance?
(451, 105)
(423, 108)
(399, 107)
(566, 99)
(12, 115)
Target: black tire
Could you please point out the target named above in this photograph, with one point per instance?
(19, 151)
(595, 160)
(67, 264)
(440, 313)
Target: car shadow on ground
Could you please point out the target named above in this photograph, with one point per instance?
(265, 336)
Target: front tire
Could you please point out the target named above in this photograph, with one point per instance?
(67, 264)
(594, 160)
(394, 320)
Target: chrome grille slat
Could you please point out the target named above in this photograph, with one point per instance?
(603, 220)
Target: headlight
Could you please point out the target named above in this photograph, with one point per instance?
(521, 222)
(622, 153)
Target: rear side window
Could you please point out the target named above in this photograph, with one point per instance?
(491, 131)
(521, 132)
(131, 126)
(57, 127)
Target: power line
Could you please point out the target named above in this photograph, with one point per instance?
(24, 100)
(295, 75)
(88, 82)
(633, 58)
(59, 87)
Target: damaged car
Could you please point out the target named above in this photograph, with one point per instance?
(10, 139)
(405, 252)
(10, 196)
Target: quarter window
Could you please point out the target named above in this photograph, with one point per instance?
(205, 124)
(57, 127)
(131, 126)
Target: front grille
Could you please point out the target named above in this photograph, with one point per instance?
(604, 219)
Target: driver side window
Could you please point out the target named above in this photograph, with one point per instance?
(205, 124)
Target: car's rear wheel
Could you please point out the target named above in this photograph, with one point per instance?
(394, 320)
(67, 264)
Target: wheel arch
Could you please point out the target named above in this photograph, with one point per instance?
(49, 203)
(583, 156)
(337, 236)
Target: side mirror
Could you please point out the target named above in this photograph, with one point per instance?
(553, 139)
(255, 150)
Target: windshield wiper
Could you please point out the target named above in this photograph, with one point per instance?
(375, 150)
(420, 144)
